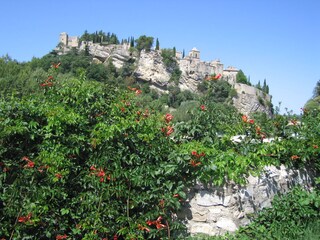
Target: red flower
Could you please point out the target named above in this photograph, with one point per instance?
(218, 76)
(59, 237)
(142, 228)
(212, 77)
(169, 130)
(157, 223)
(101, 173)
(149, 222)
(251, 121)
(244, 118)
(194, 163)
(138, 92)
(49, 79)
(168, 117)
(58, 175)
(92, 168)
(315, 146)
(56, 65)
(203, 107)
(194, 153)
(115, 237)
(295, 157)
(101, 179)
(24, 219)
(30, 164)
(48, 82)
(176, 195)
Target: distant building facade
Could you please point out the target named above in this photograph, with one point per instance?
(68, 41)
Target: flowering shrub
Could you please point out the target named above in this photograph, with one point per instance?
(84, 160)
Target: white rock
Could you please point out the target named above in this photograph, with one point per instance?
(226, 224)
(204, 198)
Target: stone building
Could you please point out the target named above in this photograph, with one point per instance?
(192, 64)
(68, 41)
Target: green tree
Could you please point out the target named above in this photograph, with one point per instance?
(144, 43)
(316, 90)
(241, 78)
(258, 85)
(157, 44)
(132, 42)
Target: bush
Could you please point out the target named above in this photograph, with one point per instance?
(83, 161)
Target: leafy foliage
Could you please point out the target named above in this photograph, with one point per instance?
(100, 37)
(144, 42)
(241, 78)
(84, 160)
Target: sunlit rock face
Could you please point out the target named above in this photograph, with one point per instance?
(250, 99)
(149, 67)
(217, 210)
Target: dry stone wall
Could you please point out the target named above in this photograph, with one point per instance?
(217, 210)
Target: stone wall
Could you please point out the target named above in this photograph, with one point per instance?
(217, 210)
(250, 99)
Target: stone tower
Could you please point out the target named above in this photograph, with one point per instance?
(194, 53)
(64, 38)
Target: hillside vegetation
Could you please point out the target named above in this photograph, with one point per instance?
(89, 153)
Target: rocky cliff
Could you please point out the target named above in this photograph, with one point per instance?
(149, 67)
(217, 210)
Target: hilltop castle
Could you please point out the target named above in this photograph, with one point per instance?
(190, 64)
(149, 67)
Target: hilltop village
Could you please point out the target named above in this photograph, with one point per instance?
(149, 67)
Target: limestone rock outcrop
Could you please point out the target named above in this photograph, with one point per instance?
(250, 99)
(151, 68)
(118, 53)
(217, 210)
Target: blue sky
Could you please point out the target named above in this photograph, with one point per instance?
(276, 40)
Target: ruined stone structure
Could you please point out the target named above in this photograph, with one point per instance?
(68, 41)
(149, 67)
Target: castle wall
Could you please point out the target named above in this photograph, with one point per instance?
(190, 65)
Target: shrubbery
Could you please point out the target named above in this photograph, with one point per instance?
(83, 160)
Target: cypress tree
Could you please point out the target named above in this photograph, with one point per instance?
(157, 45)
(259, 85)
